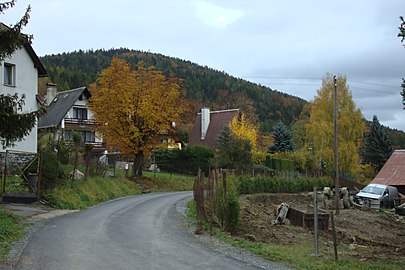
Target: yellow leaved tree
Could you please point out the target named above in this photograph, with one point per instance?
(320, 128)
(244, 129)
(132, 107)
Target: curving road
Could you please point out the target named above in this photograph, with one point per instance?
(139, 232)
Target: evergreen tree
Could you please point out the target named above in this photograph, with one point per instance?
(377, 146)
(14, 126)
(11, 37)
(283, 139)
(234, 153)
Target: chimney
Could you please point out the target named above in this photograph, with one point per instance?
(50, 93)
(205, 122)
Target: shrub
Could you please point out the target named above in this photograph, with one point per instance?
(232, 204)
(265, 184)
(186, 161)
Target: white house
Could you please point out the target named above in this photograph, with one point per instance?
(19, 74)
(68, 112)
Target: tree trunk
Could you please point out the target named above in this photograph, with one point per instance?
(138, 164)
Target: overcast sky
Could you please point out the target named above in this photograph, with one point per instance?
(286, 45)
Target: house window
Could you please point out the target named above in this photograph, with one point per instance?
(9, 74)
(88, 136)
(80, 113)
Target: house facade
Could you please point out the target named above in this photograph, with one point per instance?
(68, 112)
(19, 75)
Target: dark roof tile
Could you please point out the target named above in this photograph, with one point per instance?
(60, 107)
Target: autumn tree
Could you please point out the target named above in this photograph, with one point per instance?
(320, 129)
(377, 147)
(14, 125)
(133, 106)
(283, 139)
(242, 128)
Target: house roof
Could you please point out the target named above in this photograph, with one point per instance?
(34, 57)
(218, 121)
(393, 171)
(60, 107)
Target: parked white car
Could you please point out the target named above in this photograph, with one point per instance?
(373, 193)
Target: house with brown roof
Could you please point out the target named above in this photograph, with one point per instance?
(393, 172)
(209, 124)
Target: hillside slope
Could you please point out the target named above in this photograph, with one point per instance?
(209, 87)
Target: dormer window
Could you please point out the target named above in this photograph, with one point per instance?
(9, 74)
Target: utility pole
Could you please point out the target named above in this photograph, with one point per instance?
(337, 187)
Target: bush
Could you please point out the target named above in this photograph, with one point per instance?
(186, 161)
(265, 184)
(233, 212)
(232, 204)
(51, 172)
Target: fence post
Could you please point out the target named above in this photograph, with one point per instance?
(224, 201)
(39, 172)
(316, 221)
(334, 235)
(5, 171)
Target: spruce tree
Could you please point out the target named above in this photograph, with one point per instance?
(377, 147)
(283, 139)
(233, 153)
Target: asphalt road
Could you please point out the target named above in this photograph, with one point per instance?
(139, 232)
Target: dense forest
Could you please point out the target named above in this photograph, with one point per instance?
(204, 85)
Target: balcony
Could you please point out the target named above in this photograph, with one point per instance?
(80, 122)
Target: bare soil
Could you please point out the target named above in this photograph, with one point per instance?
(364, 233)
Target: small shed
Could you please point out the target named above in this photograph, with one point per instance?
(393, 172)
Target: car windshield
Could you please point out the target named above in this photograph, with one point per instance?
(373, 190)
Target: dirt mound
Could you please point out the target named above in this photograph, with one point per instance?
(365, 233)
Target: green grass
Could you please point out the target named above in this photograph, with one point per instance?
(86, 193)
(301, 256)
(163, 181)
(11, 229)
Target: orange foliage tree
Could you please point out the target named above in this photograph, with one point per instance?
(133, 106)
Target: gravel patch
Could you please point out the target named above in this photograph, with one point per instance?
(224, 248)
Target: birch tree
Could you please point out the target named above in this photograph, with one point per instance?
(320, 129)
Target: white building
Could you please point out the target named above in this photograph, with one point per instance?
(19, 74)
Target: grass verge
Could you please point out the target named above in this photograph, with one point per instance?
(11, 229)
(162, 181)
(90, 192)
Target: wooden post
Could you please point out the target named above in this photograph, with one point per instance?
(225, 222)
(5, 171)
(212, 198)
(334, 236)
(336, 156)
(316, 221)
(39, 172)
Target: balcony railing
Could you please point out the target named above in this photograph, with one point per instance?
(81, 122)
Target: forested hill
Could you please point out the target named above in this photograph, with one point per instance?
(209, 87)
